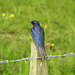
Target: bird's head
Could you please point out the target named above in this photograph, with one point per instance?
(35, 23)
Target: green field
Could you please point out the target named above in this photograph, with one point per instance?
(57, 17)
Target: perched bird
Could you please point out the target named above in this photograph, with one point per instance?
(37, 34)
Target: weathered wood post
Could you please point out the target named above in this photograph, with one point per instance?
(35, 68)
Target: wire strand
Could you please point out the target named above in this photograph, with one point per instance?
(47, 57)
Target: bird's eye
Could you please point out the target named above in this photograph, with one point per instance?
(33, 23)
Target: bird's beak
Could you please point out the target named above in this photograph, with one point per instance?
(31, 24)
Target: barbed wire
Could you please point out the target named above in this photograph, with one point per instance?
(47, 57)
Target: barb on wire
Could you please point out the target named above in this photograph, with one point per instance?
(47, 57)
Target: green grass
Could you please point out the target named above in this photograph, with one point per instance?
(15, 36)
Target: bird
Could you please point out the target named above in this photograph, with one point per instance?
(37, 33)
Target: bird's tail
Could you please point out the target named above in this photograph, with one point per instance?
(43, 57)
(43, 61)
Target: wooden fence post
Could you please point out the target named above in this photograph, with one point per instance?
(35, 67)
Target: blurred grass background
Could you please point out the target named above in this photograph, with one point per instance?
(55, 16)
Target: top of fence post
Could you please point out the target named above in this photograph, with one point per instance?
(35, 65)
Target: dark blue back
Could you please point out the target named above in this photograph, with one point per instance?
(38, 36)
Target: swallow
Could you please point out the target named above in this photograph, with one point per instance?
(37, 33)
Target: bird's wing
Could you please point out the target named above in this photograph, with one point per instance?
(41, 37)
(38, 38)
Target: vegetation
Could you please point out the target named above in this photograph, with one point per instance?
(55, 16)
